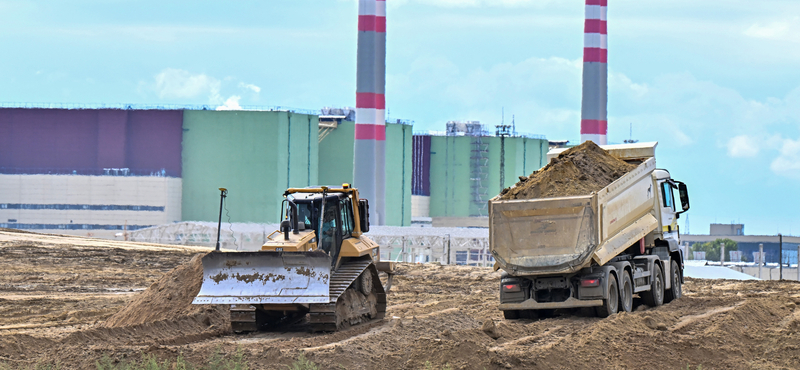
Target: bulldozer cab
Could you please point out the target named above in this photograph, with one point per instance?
(335, 225)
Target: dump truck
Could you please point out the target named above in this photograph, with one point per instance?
(594, 251)
(318, 266)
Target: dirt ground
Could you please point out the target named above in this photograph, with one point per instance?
(577, 171)
(74, 300)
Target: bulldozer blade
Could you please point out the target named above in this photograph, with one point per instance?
(265, 278)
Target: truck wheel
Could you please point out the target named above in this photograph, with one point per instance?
(675, 278)
(655, 297)
(611, 303)
(626, 293)
(511, 314)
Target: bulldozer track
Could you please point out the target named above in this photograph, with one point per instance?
(325, 317)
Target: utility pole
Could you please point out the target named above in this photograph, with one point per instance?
(760, 259)
(780, 256)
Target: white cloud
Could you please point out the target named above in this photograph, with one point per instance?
(231, 104)
(788, 162)
(786, 30)
(743, 146)
(251, 87)
(544, 91)
(173, 83)
(178, 83)
(679, 110)
(620, 81)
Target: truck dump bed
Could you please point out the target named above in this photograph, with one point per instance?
(564, 234)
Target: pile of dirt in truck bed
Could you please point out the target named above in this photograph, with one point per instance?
(170, 298)
(577, 171)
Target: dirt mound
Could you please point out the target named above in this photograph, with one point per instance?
(577, 171)
(437, 317)
(169, 299)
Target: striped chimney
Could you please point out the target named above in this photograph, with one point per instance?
(594, 122)
(369, 173)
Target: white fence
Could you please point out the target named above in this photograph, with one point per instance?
(445, 249)
(401, 244)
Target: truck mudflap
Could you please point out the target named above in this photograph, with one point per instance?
(531, 304)
(265, 277)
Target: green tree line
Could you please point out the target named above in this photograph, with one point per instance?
(712, 248)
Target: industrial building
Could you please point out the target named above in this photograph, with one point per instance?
(336, 165)
(89, 172)
(102, 172)
(748, 246)
(457, 171)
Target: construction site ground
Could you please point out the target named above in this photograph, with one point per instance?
(73, 300)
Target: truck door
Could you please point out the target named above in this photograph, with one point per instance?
(669, 219)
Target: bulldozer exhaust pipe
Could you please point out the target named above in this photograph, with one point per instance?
(222, 194)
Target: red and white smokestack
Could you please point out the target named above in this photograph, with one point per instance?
(369, 173)
(594, 121)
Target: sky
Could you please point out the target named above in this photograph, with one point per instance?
(715, 82)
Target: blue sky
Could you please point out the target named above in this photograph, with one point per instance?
(716, 82)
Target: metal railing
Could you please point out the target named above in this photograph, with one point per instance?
(123, 106)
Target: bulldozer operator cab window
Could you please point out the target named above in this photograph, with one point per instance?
(329, 229)
(305, 216)
(347, 218)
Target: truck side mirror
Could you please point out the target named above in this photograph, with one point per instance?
(363, 212)
(684, 194)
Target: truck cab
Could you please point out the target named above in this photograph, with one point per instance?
(669, 209)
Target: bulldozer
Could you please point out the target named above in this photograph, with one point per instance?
(318, 265)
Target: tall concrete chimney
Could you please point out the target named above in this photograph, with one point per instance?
(369, 173)
(594, 122)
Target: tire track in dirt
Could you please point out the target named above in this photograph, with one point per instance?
(445, 315)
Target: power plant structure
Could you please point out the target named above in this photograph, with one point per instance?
(594, 121)
(102, 172)
(370, 132)
(457, 171)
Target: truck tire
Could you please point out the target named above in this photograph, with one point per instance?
(611, 303)
(676, 290)
(626, 293)
(511, 314)
(655, 297)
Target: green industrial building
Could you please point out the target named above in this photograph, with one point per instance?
(336, 166)
(466, 171)
(456, 172)
(257, 155)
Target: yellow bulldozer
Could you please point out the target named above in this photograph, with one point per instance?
(318, 266)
